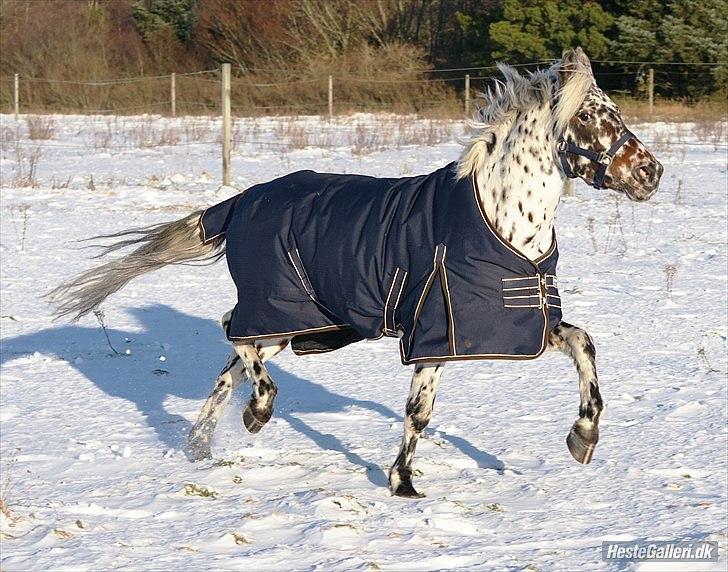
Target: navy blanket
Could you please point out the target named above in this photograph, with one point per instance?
(330, 259)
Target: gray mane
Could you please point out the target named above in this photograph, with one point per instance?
(518, 93)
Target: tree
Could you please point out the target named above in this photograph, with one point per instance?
(178, 16)
(532, 30)
(679, 31)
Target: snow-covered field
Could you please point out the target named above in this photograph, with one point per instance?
(94, 476)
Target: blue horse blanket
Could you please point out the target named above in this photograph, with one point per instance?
(330, 259)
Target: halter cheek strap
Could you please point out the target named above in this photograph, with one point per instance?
(604, 158)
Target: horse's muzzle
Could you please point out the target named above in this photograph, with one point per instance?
(647, 176)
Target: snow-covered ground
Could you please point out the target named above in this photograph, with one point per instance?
(93, 471)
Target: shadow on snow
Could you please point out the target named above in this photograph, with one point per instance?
(195, 350)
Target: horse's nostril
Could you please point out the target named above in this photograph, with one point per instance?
(645, 172)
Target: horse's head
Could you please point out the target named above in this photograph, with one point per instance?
(595, 145)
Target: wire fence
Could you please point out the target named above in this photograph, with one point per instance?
(257, 91)
(123, 115)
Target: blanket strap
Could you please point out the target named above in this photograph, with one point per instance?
(390, 305)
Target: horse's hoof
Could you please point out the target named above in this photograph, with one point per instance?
(406, 490)
(581, 446)
(251, 422)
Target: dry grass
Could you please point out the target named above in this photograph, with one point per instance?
(26, 165)
(711, 131)
(148, 134)
(40, 128)
(5, 486)
(713, 110)
(362, 136)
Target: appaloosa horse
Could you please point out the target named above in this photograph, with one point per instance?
(459, 263)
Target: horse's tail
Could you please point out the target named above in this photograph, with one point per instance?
(156, 246)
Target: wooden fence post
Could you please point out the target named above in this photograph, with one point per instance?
(467, 94)
(651, 88)
(226, 125)
(569, 188)
(16, 96)
(173, 94)
(331, 97)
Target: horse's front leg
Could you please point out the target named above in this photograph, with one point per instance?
(418, 413)
(584, 434)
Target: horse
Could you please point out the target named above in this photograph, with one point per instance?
(535, 132)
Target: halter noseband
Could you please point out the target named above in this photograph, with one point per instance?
(604, 158)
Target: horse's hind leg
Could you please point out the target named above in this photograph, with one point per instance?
(418, 413)
(231, 376)
(584, 434)
(259, 409)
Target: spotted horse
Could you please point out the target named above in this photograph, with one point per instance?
(459, 263)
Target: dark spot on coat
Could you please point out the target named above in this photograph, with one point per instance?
(490, 145)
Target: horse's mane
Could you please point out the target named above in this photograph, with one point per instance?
(518, 93)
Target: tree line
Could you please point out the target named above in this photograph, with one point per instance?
(296, 40)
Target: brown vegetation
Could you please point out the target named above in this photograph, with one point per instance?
(282, 53)
(94, 56)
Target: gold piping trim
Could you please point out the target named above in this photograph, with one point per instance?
(389, 295)
(201, 226)
(503, 241)
(451, 328)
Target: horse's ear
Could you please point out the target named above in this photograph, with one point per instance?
(573, 60)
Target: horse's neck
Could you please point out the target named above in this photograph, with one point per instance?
(520, 184)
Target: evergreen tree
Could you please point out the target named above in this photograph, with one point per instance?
(689, 31)
(152, 16)
(532, 30)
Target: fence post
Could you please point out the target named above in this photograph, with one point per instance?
(16, 96)
(331, 97)
(467, 94)
(226, 125)
(173, 94)
(569, 188)
(651, 88)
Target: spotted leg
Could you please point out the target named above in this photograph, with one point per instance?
(584, 434)
(259, 409)
(231, 376)
(420, 402)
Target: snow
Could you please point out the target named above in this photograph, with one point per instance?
(91, 439)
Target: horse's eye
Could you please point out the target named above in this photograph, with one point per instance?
(584, 116)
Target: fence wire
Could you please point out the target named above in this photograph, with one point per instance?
(441, 80)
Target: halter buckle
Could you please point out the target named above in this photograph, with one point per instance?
(561, 145)
(604, 159)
